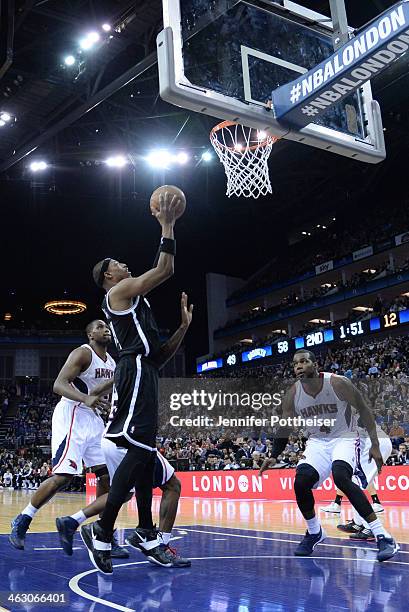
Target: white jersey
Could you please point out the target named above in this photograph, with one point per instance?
(324, 405)
(97, 372)
(77, 430)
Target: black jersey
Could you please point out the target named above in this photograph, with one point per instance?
(134, 330)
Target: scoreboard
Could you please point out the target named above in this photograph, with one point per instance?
(348, 330)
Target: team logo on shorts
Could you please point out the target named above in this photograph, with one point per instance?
(72, 464)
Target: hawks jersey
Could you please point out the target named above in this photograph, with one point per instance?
(324, 405)
(97, 372)
(134, 330)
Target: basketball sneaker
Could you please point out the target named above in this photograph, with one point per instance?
(387, 547)
(19, 527)
(363, 535)
(66, 527)
(350, 527)
(309, 542)
(157, 554)
(98, 543)
(332, 507)
(175, 559)
(378, 508)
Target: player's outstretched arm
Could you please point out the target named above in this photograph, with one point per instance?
(281, 438)
(348, 392)
(129, 288)
(169, 348)
(78, 361)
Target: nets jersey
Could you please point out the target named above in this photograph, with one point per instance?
(97, 372)
(134, 330)
(324, 405)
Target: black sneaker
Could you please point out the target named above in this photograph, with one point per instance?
(98, 543)
(19, 528)
(309, 542)
(140, 536)
(387, 547)
(175, 559)
(350, 527)
(364, 535)
(117, 551)
(66, 527)
(157, 555)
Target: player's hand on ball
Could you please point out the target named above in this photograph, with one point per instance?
(375, 454)
(186, 313)
(167, 208)
(267, 463)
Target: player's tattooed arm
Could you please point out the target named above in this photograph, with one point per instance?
(281, 437)
(169, 348)
(348, 392)
(78, 361)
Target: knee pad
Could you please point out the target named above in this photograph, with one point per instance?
(342, 473)
(306, 477)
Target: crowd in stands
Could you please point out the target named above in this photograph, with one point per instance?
(32, 424)
(201, 452)
(333, 243)
(23, 468)
(294, 298)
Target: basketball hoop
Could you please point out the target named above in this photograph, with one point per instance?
(244, 153)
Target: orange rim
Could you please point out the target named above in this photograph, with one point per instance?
(224, 124)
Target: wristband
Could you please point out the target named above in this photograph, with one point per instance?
(168, 245)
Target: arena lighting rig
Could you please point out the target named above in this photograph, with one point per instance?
(65, 307)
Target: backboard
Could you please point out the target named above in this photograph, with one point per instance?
(224, 59)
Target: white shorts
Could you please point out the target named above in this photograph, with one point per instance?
(365, 470)
(75, 438)
(114, 454)
(322, 453)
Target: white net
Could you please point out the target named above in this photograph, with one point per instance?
(244, 153)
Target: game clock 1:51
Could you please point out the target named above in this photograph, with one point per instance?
(352, 329)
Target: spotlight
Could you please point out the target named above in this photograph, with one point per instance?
(2, 123)
(117, 161)
(182, 158)
(106, 27)
(261, 135)
(69, 60)
(5, 116)
(38, 166)
(207, 156)
(159, 159)
(93, 37)
(90, 39)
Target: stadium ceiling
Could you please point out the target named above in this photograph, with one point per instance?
(110, 99)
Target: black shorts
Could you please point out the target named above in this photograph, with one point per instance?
(134, 414)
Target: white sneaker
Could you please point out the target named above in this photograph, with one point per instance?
(333, 507)
(378, 508)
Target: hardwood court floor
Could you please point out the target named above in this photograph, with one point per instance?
(265, 515)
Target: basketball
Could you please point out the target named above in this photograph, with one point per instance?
(181, 206)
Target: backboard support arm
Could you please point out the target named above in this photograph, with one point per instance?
(340, 23)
